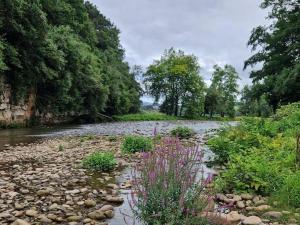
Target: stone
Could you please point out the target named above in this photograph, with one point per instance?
(74, 218)
(106, 208)
(240, 205)
(31, 213)
(233, 216)
(90, 203)
(252, 220)
(97, 215)
(262, 208)
(114, 199)
(109, 214)
(19, 206)
(246, 196)
(273, 214)
(20, 222)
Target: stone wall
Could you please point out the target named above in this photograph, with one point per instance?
(15, 114)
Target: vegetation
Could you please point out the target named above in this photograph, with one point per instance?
(68, 55)
(260, 155)
(221, 95)
(145, 116)
(102, 161)
(277, 50)
(176, 79)
(166, 186)
(133, 144)
(183, 132)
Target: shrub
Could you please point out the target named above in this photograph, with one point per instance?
(132, 144)
(102, 161)
(61, 148)
(182, 132)
(289, 193)
(166, 185)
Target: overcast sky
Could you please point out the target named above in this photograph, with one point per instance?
(216, 31)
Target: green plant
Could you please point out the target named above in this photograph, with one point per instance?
(102, 161)
(182, 132)
(166, 185)
(289, 193)
(61, 148)
(132, 144)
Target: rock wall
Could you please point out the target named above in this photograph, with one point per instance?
(11, 114)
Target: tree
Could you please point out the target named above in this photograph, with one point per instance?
(68, 54)
(176, 79)
(222, 93)
(277, 50)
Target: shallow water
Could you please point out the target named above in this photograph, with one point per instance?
(29, 135)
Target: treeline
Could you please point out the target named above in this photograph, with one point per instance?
(175, 81)
(68, 54)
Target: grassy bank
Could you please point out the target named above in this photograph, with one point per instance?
(261, 157)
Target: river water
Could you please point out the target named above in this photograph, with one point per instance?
(29, 135)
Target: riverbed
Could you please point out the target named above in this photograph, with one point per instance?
(33, 157)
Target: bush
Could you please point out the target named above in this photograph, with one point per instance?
(102, 161)
(259, 153)
(166, 185)
(133, 144)
(182, 132)
(289, 194)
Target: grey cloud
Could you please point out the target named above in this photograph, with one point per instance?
(214, 30)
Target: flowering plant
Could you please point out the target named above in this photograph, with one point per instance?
(168, 185)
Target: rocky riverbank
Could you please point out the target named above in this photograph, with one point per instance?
(44, 183)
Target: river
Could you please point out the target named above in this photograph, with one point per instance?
(29, 135)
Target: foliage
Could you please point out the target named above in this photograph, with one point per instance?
(166, 187)
(277, 50)
(133, 144)
(67, 54)
(252, 105)
(61, 148)
(102, 161)
(259, 153)
(145, 116)
(182, 132)
(289, 193)
(175, 78)
(222, 93)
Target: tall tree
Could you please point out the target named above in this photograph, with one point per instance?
(176, 79)
(277, 48)
(222, 93)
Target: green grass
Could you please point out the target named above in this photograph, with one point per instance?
(145, 116)
(133, 144)
(101, 161)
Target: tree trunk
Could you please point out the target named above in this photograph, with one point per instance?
(298, 151)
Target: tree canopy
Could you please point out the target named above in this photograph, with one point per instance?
(277, 49)
(176, 80)
(69, 54)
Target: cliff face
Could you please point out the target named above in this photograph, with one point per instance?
(11, 114)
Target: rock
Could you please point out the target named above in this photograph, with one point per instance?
(252, 220)
(31, 213)
(262, 208)
(240, 204)
(90, 203)
(233, 216)
(113, 186)
(114, 199)
(106, 208)
(109, 214)
(20, 222)
(19, 206)
(273, 214)
(246, 196)
(74, 218)
(97, 215)
(256, 199)
(237, 198)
